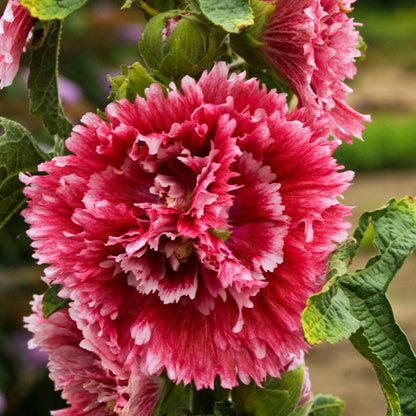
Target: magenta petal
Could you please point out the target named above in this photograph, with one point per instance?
(176, 284)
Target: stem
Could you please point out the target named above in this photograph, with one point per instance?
(148, 9)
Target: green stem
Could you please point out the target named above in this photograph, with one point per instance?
(148, 9)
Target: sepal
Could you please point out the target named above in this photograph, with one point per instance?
(51, 302)
(362, 47)
(134, 79)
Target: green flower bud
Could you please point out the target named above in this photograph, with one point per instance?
(177, 43)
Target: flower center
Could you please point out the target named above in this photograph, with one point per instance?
(184, 250)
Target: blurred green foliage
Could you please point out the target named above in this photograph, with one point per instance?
(390, 4)
(389, 29)
(390, 32)
(389, 143)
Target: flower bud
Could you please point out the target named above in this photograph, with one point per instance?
(176, 43)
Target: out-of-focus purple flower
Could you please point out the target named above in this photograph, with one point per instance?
(129, 32)
(104, 9)
(16, 346)
(69, 92)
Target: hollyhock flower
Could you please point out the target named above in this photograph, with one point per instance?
(189, 230)
(88, 387)
(313, 45)
(15, 27)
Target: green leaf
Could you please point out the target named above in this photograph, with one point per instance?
(361, 343)
(336, 263)
(133, 80)
(355, 304)
(43, 79)
(278, 397)
(330, 317)
(232, 15)
(222, 233)
(51, 9)
(302, 410)
(175, 400)
(18, 153)
(326, 405)
(262, 12)
(51, 302)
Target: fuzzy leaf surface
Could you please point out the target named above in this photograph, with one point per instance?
(43, 80)
(326, 405)
(232, 15)
(51, 9)
(18, 153)
(355, 304)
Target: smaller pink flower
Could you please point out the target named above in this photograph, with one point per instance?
(90, 387)
(313, 44)
(15, 26)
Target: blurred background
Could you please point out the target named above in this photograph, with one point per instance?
(96, 40)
